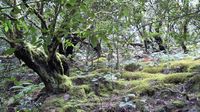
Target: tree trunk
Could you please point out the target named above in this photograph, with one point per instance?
(51, 71)
(146, 45)
(97, 49)
(185, 50)
(185, 31)
(158, 39)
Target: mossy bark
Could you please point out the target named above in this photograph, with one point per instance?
(52, 71)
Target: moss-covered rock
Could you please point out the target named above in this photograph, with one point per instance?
(177, 78)
(186, 65)
(147, 83)
(132, 67)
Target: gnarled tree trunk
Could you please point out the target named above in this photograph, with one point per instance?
(51, 71)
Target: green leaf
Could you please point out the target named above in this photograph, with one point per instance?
(68, 43)
(6, 28)
(9, 51)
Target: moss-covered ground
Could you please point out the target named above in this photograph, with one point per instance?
(164, 87)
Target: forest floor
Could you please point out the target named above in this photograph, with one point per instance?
(157, 83)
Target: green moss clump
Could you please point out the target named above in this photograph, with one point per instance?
(144, 88)
(86, 87)
(187, 65)
(55, 102)
(194, 68)
(177, 78)
(99, 63)
(78, 92)
(132, 67)
(100, 60)
(137, 75)
(65, 83)
(153, 69)
(147, 83)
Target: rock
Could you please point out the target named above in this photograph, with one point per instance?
(66, 97)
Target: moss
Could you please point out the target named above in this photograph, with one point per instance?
(144, 87)
(147, 83)
(121, 84)
(103, 70)
(186, 64)
(99, 63)
(100, 60)
(177, 78)
(86, 87)
(194, 68)
(153, 69)
(137, 75)
(65, 82)
(55, 101)
(78, 92)
(132, 67)
(58, 102)
(58, 58)
(178, 103)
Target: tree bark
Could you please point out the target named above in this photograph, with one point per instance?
(52, 71)
(185, 31)
(158, 39)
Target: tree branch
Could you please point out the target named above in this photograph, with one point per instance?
(172, 18)
(43, 22)
(57, 11)
(10, 6)
(31, 22)
(9, 16)
(7, 40)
